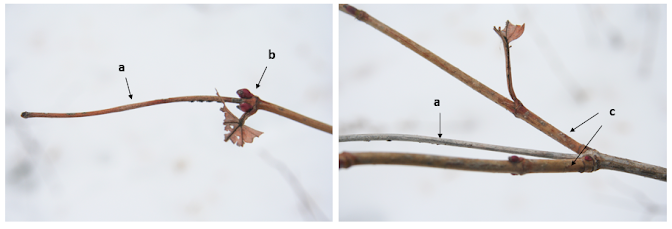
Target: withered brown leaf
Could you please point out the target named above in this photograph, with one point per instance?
(239, 134)
(513, 31)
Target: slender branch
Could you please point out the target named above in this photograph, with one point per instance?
(509, 80)
(521, 112)
(452, 142)
(519, 166)
(200, 98)
(604, 161)
(294, 116)
(630, 166)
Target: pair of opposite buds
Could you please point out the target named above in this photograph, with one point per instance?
(245, 94)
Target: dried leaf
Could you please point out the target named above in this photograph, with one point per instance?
(239, 135)
(513, 32)
(249, 134)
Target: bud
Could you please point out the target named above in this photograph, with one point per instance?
(515, 159)
(245, 107)
(244, 93)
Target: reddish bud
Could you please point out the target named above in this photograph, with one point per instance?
(515, 159)
(244, 93)
(588, 158)
(245, 107)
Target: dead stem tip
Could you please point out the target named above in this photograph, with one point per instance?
(350, 9)
(24, 114)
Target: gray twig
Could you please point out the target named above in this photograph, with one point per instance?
(453, 142)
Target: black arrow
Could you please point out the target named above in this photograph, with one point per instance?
(440, 125)
(262, 76)
(577, 127)
(584, 148)
(129, 90)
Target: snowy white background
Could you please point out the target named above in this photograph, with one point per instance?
(572, 62)
(164, 162)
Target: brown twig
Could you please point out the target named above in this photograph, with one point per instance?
(519, 166)
(509, 80)
(603, 161)
(630, 166)
(200, 98)
(520, 112)
(270, 107)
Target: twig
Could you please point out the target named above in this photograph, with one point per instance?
(631, 166)
(524, 166)
(200, 98)
(604, 161)
(294, 116)
(452, 142)
(509, 80)
(522, 112)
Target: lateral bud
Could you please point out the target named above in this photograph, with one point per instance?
(515, 159)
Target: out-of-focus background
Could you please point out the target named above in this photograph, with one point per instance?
(166, 162)
(572, 62)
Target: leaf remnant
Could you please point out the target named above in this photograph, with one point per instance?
(512, 32)
(238, 132)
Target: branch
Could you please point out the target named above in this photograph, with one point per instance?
(603, 161)
(504, 34)
(294, 116)
(521, 112)
(452, 142)
(516, 166)
(200, 98)
(630, 166)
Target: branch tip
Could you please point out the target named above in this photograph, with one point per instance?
(345, 160)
